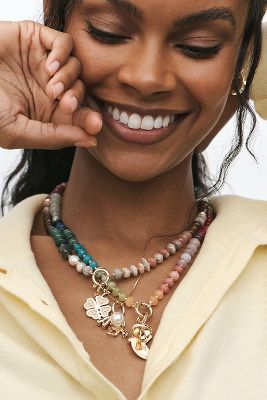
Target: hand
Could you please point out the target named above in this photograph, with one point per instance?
(41, 97)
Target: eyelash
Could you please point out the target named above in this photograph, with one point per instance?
(199, 52)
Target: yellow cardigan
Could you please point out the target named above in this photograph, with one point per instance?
(211, 343)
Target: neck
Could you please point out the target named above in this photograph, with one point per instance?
(100, 206)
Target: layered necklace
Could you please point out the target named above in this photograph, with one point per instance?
(109, 305)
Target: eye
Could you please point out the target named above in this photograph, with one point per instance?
(200, 52)
(106, 37)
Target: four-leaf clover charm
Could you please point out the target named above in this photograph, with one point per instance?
(97, 308)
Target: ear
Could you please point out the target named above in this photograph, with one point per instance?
(229, 110)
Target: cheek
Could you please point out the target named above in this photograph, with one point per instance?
(209, 82)
(99, 64)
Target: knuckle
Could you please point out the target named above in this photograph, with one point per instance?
(66, 37)
(80, 87)
(8, 133)
(76, 64)
(48, 135)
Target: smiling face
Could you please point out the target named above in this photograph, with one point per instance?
(161, 71)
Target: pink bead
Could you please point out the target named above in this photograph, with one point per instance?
(185, 237)
(179, 269)
(192, 247)
(195, 242)
(169, 282)
(189, 251)
(174, 275)
(189, 235)
(186, 257)
(182, 240)
(165, 253)
(182, 263)
(153, 262)
(165, 288)
(141, 269)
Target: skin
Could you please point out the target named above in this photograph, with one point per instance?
(119, 193)
(41, 95)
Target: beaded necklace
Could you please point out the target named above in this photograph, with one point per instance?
(112, 317)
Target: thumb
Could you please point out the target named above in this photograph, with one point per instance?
(31, 134)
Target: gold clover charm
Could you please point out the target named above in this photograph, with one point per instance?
(97, 308)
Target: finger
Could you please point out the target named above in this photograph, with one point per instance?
(72, 98)
(64, 78)
(60, 45)
(88, 120)
(29, 134)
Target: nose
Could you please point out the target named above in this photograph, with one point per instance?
(148, 72)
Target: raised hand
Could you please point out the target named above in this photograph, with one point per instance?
(41, 95)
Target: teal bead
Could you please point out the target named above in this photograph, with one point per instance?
(93, 264)
(81, 253)
(87, 259)
(78, 246)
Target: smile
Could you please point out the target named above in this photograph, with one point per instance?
(137, 125)
(136, 121)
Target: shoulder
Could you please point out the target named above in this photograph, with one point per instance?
(240, 214)
(16, 226)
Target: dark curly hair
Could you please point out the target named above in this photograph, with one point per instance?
(39, 171)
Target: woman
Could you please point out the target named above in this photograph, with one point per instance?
(161, 85)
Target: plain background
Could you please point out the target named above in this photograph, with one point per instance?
(246, 178)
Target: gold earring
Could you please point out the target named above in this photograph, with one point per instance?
(243, 84)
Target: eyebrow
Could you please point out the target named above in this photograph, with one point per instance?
(208, 15)
(212, 14)
(127, 6)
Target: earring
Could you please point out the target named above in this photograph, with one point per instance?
(243, 84)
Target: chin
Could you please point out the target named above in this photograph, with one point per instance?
(130, 167)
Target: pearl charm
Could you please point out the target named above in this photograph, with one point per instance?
(117, 318)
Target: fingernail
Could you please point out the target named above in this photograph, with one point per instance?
(73, 103)
(53, 67)
(86, 143)
(58, 88)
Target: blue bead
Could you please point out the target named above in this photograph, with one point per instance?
(60, 225)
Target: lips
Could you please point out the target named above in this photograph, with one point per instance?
(139, 136)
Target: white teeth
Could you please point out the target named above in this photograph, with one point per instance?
(147, 123)
(116, 114)
(158, 123)
(166, 121)
(124, 118)
(135, 121)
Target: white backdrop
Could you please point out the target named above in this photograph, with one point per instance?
(245, 178)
